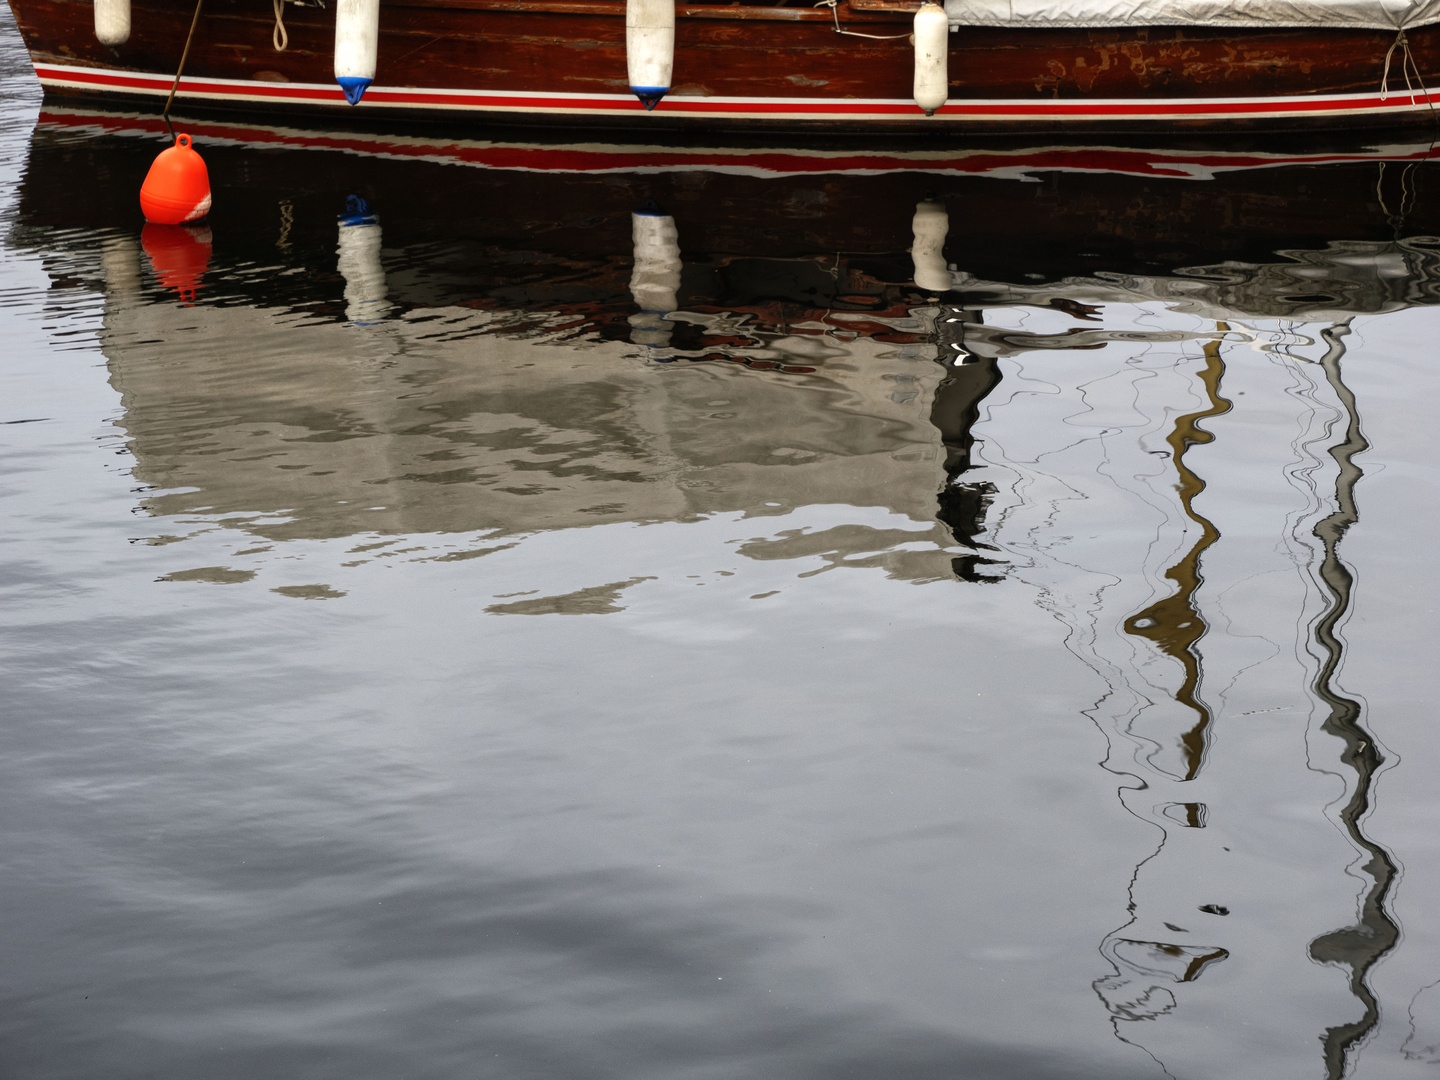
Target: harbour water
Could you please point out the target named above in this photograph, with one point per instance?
(492, 609)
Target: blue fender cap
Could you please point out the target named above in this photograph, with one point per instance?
(649, 95)
(358, 212)
(354, 87)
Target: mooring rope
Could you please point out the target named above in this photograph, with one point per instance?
(165, 112)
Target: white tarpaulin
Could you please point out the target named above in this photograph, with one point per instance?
(1352, 14)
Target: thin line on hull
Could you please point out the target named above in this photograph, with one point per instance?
(887, 110)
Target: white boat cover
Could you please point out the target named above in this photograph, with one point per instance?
(1351, 14)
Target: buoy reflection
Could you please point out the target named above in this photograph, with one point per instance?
(359, 264)
(179, 255)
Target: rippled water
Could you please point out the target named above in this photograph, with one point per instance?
(421, 662)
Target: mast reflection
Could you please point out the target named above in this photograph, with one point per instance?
(1145, 970)
(1175, 625)
(1361, 946)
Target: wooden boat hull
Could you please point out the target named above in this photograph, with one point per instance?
(543, 62)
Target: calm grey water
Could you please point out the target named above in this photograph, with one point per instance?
(419, 662)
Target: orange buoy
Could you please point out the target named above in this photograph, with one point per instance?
(179, 256)
(177, 187)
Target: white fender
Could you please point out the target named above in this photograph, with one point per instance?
(359, 264)
(357, 39)
(656, 277)
(650, 48)
(931, 225)
(932, 52)
(112, 22)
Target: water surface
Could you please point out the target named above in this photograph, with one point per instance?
(429, 654)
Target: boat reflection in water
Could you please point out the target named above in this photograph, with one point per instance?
(1050, 365)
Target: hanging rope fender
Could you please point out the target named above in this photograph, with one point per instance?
(834, 6)
(278, 37)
